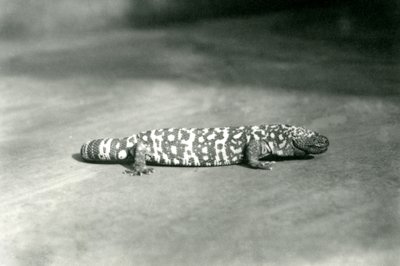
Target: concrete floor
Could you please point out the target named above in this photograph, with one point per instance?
(340, 208)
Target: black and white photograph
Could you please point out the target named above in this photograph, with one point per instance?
(200, 133)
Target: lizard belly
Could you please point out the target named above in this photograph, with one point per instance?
(195, 146)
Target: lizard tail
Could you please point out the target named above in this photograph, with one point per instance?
(106, 150)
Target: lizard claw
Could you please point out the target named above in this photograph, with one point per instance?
(140, 172)
(148, 171)
(266, 165)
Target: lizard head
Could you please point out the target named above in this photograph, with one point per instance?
(309, 142)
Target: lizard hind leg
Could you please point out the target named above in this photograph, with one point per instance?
(138, 153)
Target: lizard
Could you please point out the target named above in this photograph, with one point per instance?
(206, 147)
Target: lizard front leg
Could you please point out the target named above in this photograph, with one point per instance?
(256, 150)
(138, 153)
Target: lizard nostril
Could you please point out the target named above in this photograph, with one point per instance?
(322, 141)
(325, 140)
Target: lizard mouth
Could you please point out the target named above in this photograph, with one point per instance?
(311, 149)
(320, 145)
(318, 149)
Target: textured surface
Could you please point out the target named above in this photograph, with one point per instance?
(207, 146)
(341, 208)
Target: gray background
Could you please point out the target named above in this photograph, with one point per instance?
(71, 71)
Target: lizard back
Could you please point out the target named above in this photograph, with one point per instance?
(195, 146)
(174, 146)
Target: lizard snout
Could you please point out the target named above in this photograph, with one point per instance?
(322, 142)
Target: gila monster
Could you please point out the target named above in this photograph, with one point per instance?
(206, 146)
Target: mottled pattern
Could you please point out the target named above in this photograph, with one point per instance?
(195, 146)
(206, 146)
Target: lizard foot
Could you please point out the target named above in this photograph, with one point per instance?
(265, 165)
(135, 172)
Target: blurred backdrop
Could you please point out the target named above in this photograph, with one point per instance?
(22, 18)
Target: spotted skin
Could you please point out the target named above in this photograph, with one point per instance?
(206, 146)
